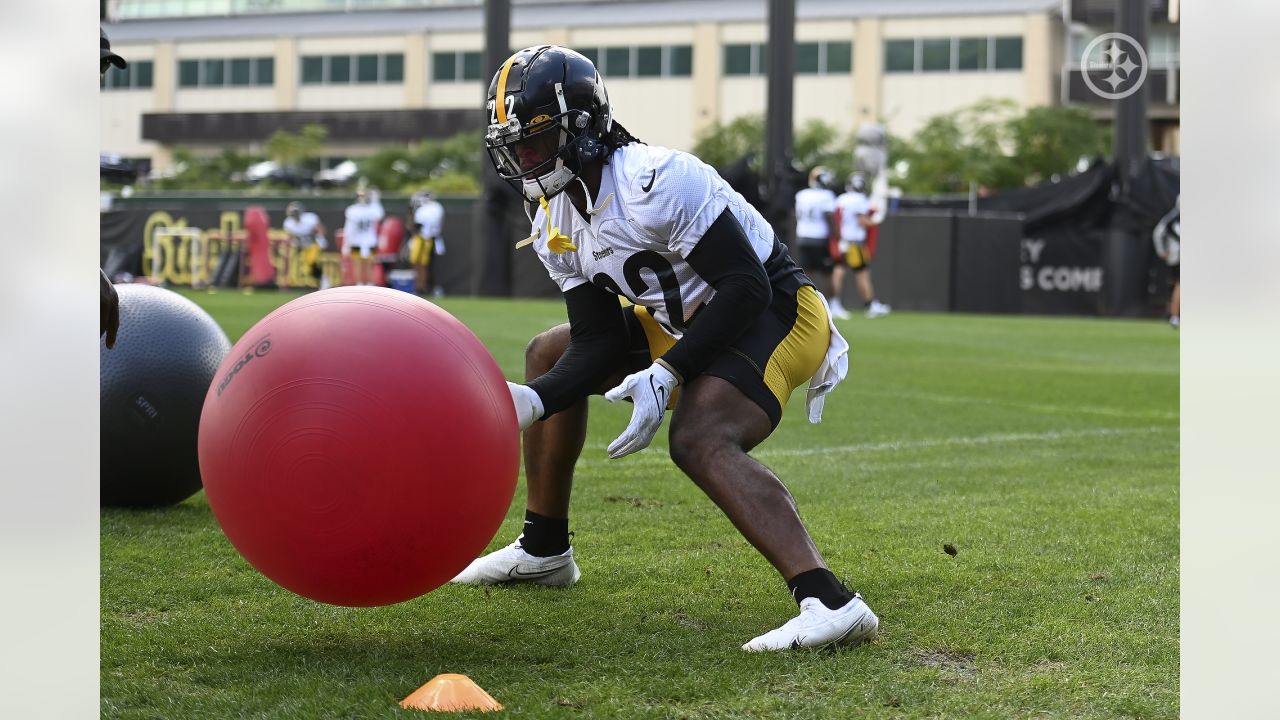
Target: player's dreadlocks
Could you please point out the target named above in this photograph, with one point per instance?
(619, 136)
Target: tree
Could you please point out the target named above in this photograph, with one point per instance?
(293, 150)
(992, 145)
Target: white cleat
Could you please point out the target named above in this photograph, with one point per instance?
(512, 564)
(816, 626)
(877, 309)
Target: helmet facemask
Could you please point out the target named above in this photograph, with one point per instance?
(542, 158)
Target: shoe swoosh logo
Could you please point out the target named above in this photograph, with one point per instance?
(515, 573)
(649, 187)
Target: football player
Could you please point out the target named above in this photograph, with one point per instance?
(360, 233)
(853, 216)
(306, 234)
(428, 226)
(816, 230)
(712, 308)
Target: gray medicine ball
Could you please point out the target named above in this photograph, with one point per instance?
(152, 387)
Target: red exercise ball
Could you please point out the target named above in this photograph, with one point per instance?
(359, 446)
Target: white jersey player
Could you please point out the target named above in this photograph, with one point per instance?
(854, 212)
(360, 234)
(712, 308)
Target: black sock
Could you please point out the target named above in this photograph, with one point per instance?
(544, 536)
(822, 584)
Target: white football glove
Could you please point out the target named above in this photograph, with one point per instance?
(649, 390)
(440, 246)
(528, 404)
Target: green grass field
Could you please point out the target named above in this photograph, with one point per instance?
(1045, 450)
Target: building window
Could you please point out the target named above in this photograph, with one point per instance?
(1008, 53)
(346, 69)
(240, 71)
(339, 69)
(971, 54)
(642, 61)
(617, 62)
(264, 71)
(366, 69)
(900, 56)
(212, 72)
(963, 54)
(935, 54)
(750, 59)
(471, 64)
(393, 68)
(444, 67)
(312, 70)
(456, 66)
(681, 63)
(225, 72)
(135, 77)
(839, 57)
(649, 61)
(823, 58)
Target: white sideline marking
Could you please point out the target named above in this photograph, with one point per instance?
(659, 452)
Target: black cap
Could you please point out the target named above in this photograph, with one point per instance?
(107, 55)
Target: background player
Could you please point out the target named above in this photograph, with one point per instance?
(306, 235)
(853, 214)
(360, 234)
(428, 240)
(816, 230)
(721, 314)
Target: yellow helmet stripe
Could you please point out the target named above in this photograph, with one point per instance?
(500, 100)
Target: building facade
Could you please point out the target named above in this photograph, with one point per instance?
(206, 74)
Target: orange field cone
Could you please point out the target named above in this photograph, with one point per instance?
(450, 692)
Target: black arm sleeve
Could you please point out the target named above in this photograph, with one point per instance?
(724, 258)
(597, 344)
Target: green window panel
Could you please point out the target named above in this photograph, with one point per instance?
(900, 56)
(264, 72)
(339, 69)
(241, 71)
(681, 61)
(444, 67)
(188, 73)
(737, 59)
(649, 61)
(366, 69)
(312, 70)
(393, 71)
(839, 57)
(1008, 53)
(617, 61)
(971, 54)
(471, 66)
(935, 54)
(807, 58)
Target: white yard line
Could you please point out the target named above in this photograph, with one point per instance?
(658, 454)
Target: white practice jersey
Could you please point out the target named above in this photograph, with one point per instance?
(361, 229)
(662, 203)
(430, 215)
(812, 207)
(303, 228)
(851, 205)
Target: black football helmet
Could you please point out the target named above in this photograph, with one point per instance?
(857, 183)
(548, 117)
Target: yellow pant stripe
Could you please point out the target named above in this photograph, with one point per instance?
(800, 353)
